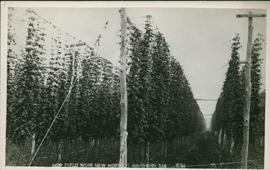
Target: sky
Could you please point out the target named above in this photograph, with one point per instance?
(199, 39)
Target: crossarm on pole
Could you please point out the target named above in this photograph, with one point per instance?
(250, 15)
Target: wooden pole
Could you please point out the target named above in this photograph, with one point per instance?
(73, 55)
(73, 66)
(33, 148)
(123, 86)
(62, 143)
(246, 116)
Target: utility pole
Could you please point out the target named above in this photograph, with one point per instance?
(73, 55)
(123, 86)
(244, 152)
(72, 48)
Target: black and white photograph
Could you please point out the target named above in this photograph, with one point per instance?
(134, 86)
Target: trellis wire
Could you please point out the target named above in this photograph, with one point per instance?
(55, 117)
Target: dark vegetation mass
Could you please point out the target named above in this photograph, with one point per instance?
(161, 106)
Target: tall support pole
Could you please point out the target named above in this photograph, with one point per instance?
(123, 86)
(244, 152)
(73, 66)
(73, 72)
(73, 55)
(246, 116)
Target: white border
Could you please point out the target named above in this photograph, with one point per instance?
(109, 4)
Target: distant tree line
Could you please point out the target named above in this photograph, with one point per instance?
(161, 106)
(227, 121)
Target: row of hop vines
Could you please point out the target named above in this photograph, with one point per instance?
(40, 68)
(227, 121)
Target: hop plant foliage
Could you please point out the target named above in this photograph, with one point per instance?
(228, 116)
(161, 105)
